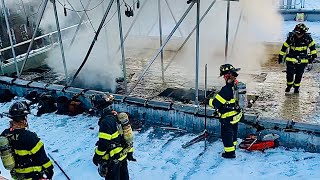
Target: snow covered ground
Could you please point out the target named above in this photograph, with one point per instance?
(70, 140)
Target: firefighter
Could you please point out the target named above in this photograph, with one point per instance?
(298, 42)
(112, 150)
(31, 161)
(228, 110)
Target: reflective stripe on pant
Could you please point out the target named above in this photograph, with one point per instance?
(229, 135)
(294, 73)
(118, 171)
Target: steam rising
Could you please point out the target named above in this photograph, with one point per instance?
(260, 22)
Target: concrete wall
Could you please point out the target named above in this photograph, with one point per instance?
(188, 117)
(310, 15)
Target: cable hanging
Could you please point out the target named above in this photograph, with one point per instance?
(88, 16)
(81, 10)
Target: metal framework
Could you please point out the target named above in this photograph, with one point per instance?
(162, 42)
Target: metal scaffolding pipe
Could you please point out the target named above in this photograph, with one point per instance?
(122, 48)
(237, 31)
(106, 34)
(39, 37)
(174, 18)
(94, 40)
(10, 37)
(76, 11)
(34, 34)
(79, 25)
(160, 33)
(190, 34)
(197, 54)
(227, 33)
(132, 24)
(60, 40)
(164, 44)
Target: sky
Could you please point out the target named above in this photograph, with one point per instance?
(70, 141)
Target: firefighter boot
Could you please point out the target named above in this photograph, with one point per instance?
(296, 89)
(288, 88)
(229, 155)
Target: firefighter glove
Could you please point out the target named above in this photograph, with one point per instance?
(280, 60)
(49, 173)
(96, 160)
(311, 59)
(103, 169)
(130, 157)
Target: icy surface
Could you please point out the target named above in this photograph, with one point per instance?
(70, 140)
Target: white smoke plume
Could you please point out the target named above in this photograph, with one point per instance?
(259, 23)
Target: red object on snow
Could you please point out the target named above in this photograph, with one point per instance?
(252, 143)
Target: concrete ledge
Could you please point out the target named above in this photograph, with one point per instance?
(134, 100)
(21, 82)
(159, 104)
(72, 90)
(185, 108)
(310, 14)
(38, 85)
(55, 87)
(6, 80)
(299, 135)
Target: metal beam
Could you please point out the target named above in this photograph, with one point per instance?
(227, 33)
(34, 34)
(197, 54)
(132, 24)
(106, 34)
(79, 25)
(164, 44)
(60, 40)
(93, 41)
(160, 37)
(236, 34)
(10, 37)
(122, 48)
(174, 18)
(39, 37)
(76, 10)
(190, 34)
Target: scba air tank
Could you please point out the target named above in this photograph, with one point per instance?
(126, 128)
(6, 153)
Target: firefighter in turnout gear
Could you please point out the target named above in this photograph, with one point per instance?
(298, 42)
(31, 160)
(111, 153)
(226, 104)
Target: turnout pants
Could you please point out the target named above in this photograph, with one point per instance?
(229, 135)
(294, 73)
(118, 171)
